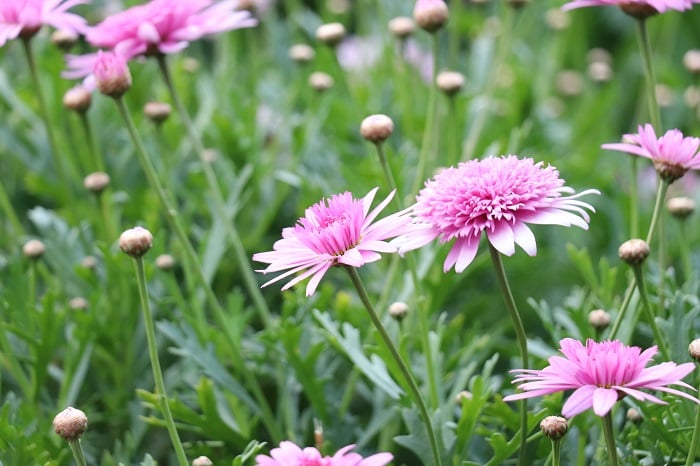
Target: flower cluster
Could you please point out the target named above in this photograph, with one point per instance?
(24, 18)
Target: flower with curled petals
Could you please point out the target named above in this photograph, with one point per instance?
(673, 154)
(636, 8)
(601, 374)
(24, 18)
(498, 196)
(167, 26)
(288, 454)
(336, 231)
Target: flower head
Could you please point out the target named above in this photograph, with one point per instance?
(288, 454)
(498, 196)
(167, 26)
(24, 18)
(672, 154)
(636, 8)
(335, 231)
(601, 374)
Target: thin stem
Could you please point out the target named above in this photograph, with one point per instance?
(94, 152)
(645, 48)
(660, 196)
(9, 211)
(623, 308)
(77, 450)
(610, 439)
(403, 367)
(660, 341)
(155, 363)
(556, 452)
(239, 251)
(685, 250)
(520, 336)
(388, 175)
(695, 441)
(634, 199)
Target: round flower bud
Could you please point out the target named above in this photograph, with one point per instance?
(64, 39)
(569, 83)
(78, 303)
(96, 182)
(111, 73)
(320, 81)
(599, 319)
(398, 310)
(78, 99)
(33, 249)
(681, 207)
(190, 64)
(633, 251)
(557, 19)
(157, 112)
(634, 416)
(691, 61)
(450, 82)
(600, 71)
(402, 26)
(694, 349)
(463, 396)
(70, 423)
(165, 262)
(554, 427)
(202, 461)
(136, 241)
(430, 15)
(89, 262)
(301, 53)
(330, 33)
(376, 128)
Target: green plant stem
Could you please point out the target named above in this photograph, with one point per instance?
(610, 439)
(98, 163)
(9, 211)
(660, 196)
(106, 209)
(388, 175)
(403, 367)
(660, 341)
(556, 452)
(239, 251)
(520, 336)
(634, 199)
(645, 47)
(685, 250)
(77, 450)
(695, 440)
(155, 363)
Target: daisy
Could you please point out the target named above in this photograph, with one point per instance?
(24, 18)
(636, 8)
(288, 454)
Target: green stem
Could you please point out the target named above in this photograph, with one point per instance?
(660, 196)
(610, 439)
(77, 450)
(521, 338)
(106, 209)
(556, 452)
(403, 367)
(161, 394)
(645, 48)
(634, 199)
(239, 251)
(87, 130)
(388, 175)
(660, 341)
(685, 251)
(9, 211)
(695, 441)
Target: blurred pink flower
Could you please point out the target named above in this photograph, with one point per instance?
(672, 154)
(288, 454)
(335, 231)
(24, 18)
(601, 374)
(497, 196)
(167, 26)
(630, 6)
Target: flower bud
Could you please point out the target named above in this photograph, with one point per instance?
(450, 82)
(301, 53)
(554, 427)
(557, 19)
(376, 128)
(78, 303)
(398, 310)
(681, 207)
(33, 249)
(694, 349)
(402, 27)
(96, 182)
(89, 262)
(463, 396)
(157, 112)
(202, 461)
(691, 61)
(634, 416)
(64, 39)
(165, 262)
(112, 74)
(330, 33)
(320, 81)
(633, 251)
(78, 99)
(70, 423)
(430, 15)
(599, 319)
(136, 241)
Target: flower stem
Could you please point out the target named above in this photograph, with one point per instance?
(660, 196)
(9, 211)
(623, 308)
(610, 439)
(556, 452)
(521, 337)
(645, 47)
(98, 164)
(634, 199)
(77, 450)
(660, 341)
(695, 441)
(403, 367)
(155, 364)
(388, 175)
(219, 204)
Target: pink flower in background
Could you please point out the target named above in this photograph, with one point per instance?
(24, 18)
(498, 196)
(335, 231)
(167, 26)
(672, 154)
(630, 6)
(601, 374)
(288, 454)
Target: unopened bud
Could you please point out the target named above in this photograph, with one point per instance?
(301, 53)
(402, 26)
(430, 15)
(78, 303)
(33, 249)
(599, 319)
(70, 423)
(330, 33)
(694, 349)
(96, 182)
(157, 112)
(398, 310)
(136, 241)
(165, 262)
(634, 416)
(89, 262)
(691, 61)
(376, 128)
(78, 99)
(64, 39)
(681, 207)
(320, 81)
(633, 251)
(463, 396)
(450, 82)
(554, 427)
(202, 461)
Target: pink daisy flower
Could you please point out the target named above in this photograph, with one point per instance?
(672, 154)
(24, 18)
(498, 196)
(288, 454)
(637, 8)
(167, 26)
(336, 231)
(601, 374)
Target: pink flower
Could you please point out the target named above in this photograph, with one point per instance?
(288, 454)
(84, 66)
(672, 154)
(638, 8)
(601, 374)
(24, 18)
(335, 231)
(167, 26)
(498, 196)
